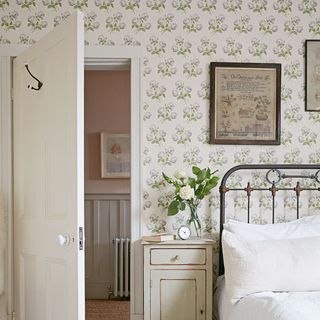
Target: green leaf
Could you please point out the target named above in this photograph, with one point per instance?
(168, 179)
(173, 208)
(210, 185)
(198, 191)
(201, 176)
(192, 182)
(196, 170)
(214, 181)
(207, 189)
(182, 206)
(208, 173)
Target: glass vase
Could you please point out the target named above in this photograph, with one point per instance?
(194, 220)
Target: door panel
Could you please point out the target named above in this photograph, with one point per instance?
(48, 176)
(180, 293)
(181, 302)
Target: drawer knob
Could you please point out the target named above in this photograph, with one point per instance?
(201, 311)
(176, 258)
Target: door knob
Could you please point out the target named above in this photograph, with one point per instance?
(63, 240)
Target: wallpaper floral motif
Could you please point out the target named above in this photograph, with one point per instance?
(180, 38)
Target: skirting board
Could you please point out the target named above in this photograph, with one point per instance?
(137, 317)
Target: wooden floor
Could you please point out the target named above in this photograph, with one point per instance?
(107, 310)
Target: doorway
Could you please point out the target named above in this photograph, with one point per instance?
(94, 56)
(107, 191)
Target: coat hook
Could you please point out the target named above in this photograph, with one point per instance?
(40, 84)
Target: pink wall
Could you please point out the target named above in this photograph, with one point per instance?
(106, 109)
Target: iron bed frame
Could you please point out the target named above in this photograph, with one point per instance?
(281, 171)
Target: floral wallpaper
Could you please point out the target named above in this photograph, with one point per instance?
(180, 38)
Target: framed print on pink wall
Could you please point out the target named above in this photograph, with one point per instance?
(115, 155)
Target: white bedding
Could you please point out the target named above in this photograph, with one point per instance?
(267, 305)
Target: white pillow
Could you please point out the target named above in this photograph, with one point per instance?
(301, 228)
(270, 265)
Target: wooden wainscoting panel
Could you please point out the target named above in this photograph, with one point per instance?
(107, 216)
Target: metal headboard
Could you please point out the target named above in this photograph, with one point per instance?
(280, 171)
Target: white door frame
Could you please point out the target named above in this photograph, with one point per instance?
(6, 167)
(93, 56)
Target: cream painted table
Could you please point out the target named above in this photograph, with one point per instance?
(178, 280)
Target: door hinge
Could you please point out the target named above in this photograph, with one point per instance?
(12, 94)
(80, 238)
(13, 316)
(150, 283)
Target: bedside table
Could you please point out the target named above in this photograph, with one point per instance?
(178, 280)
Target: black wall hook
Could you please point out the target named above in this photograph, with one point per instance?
(40, 84)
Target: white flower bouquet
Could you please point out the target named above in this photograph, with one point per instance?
(189, 191)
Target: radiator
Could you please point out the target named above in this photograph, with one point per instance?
(121, 267)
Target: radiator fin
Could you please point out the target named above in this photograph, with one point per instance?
(121, 267)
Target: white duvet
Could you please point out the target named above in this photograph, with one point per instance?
(267, 305)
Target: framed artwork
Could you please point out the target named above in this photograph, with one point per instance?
(312, 75)
(115, 155)
(245, 103)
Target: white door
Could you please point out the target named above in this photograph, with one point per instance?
(48, 177)
(178, 295)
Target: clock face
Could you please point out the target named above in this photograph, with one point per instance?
(184, 232)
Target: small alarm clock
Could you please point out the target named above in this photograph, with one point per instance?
(184, 232)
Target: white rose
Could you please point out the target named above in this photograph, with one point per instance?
(179, 174)
(186, 193)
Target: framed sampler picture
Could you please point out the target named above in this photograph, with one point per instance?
(115, 155)
(312, 75)
(245, 103)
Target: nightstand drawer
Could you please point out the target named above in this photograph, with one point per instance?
(177, 256)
